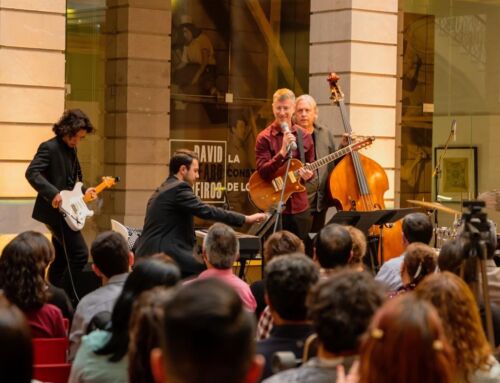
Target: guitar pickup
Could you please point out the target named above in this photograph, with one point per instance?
(292, 177)
(277, 184)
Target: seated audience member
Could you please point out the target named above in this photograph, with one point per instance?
(450, 259)
(16, 354)
(279, 243)
(419, 261)
(332, 248)
(145, 331)
(341, 308)
(22, 280)
(359, 247)
(405, 343)
(288, 281)
(220, 249)
(207, 337)
(417, 227)
(457, 308)
(44, 251)
(102, 356)
(100, 321)
(112, 262)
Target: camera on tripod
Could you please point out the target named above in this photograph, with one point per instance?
(477, 229)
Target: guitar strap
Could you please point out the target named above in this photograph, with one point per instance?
(79, 175)
(300, 145)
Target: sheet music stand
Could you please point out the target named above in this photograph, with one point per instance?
(362, 220)
(391, 216)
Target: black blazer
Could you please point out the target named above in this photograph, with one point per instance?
(54, 168)
(169, 224)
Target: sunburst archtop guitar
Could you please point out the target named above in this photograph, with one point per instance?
(74, 204)
(265, 195)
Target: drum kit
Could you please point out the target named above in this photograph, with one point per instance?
(443, 233)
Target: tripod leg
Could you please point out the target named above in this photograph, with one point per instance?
(486, 298)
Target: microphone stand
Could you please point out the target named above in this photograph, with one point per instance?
(436, 174)
(226, 205)
(280, 206)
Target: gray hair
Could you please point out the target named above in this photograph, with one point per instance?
(309, 99)
(221, 246)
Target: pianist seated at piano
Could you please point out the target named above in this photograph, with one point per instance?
(168, 226)
(220, 249)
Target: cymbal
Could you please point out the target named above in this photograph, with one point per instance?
(434, 206)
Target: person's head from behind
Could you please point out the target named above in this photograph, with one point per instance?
(72, 127)
(22, 266)
(459, 313)
(207, 337)
(220, 247)
(288, 279)
(184, 165)
(111, 255)
(146, 274)
(332, 246)
(341, 308)
(145, 330)
(420, 260)
(417, 227)
(405, 342)
(16, 354)
(359, 246)
(282, 242)
(452, 257)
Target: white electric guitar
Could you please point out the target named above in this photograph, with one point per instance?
(74, 204)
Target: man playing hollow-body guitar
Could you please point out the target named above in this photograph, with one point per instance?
(271, 153)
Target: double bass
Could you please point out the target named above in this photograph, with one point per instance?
(359, 183)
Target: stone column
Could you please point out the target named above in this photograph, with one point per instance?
(32, 44)
(137, 103)
(358, 40)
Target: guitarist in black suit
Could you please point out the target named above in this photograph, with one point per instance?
(54, 168)
(169, 227)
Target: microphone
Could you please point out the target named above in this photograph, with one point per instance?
(285, 129)
(454, 129)
(223, 189)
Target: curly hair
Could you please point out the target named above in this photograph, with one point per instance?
(406, 343)
(71, 122)
(145, 328)
(359, 245)
(459, 313)
(341, 308)
(420, 260)
(22, 268)
(280, 243)
(288, 279)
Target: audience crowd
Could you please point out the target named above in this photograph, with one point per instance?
(332, 317)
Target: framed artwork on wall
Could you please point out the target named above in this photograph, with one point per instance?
(456, 179)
